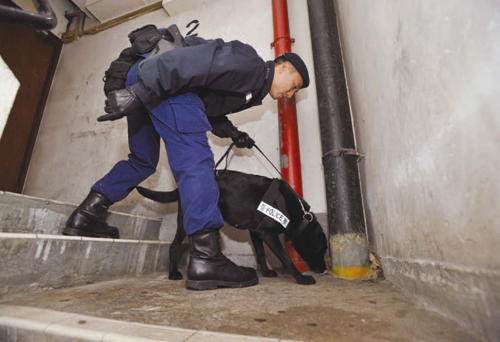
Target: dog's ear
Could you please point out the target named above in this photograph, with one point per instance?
(312, 246)
(312, 239)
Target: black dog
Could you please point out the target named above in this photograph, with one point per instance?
(240, 195)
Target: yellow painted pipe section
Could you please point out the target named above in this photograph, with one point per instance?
(350, 272)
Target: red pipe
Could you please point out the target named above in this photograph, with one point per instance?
(289, 135)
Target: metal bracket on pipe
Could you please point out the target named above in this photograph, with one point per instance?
(343, 152)
(45, 19)
(74, 20)
(273, 44)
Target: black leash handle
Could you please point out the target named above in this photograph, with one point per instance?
(226, 154)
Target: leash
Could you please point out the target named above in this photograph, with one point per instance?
(306, 213)
(226, 154)
(258, 149)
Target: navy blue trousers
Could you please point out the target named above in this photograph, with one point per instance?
(182, 124)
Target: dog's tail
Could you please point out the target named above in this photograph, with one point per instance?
(159, 196)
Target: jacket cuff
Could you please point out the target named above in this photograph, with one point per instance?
(224, 129)
(142, 92)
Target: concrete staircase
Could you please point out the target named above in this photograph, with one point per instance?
(35, 256)
(18, 323)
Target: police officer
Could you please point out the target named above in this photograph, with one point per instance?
(179, 95)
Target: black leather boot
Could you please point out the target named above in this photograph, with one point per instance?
(209, 268)
(89, 219)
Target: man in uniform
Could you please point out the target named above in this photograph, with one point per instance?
(179, 95)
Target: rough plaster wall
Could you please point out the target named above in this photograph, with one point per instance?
(73, 150)
(423, 79)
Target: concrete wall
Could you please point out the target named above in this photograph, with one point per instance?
(73, 150)
(423, 83)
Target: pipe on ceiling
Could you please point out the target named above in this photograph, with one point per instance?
(45, 19)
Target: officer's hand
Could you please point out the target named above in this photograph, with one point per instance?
(120, 103)
(242, 140)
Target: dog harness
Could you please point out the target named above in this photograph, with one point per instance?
(265, 211)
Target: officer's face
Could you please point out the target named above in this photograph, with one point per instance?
(286, 82)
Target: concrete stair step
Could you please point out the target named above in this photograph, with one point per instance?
(34, 262)
(18, 323)
(26, 214)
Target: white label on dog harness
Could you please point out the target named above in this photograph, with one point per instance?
(273, 213)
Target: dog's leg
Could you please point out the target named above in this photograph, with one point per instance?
(261, 256)
(180, 234)
(273, 241)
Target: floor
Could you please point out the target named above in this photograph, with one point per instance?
(331, 310)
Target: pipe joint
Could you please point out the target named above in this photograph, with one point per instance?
(287, 40)
(342, 152)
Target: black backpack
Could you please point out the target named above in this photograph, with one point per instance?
(142, 40)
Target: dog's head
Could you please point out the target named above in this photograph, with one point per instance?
(311, 246)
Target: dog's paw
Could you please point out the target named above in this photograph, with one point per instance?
(306, 280)
(269, 274)
(175, 275)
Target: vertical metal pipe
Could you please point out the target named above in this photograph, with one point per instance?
(289, 136)
(348, 242)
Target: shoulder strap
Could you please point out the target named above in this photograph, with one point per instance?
(164, 45)
(272, 193)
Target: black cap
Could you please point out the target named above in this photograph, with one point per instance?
(299, 64)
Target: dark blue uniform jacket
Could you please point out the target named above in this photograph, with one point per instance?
(228, 77)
